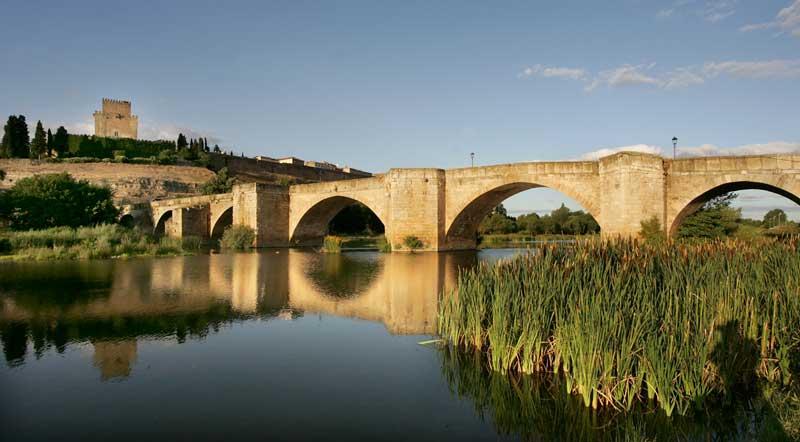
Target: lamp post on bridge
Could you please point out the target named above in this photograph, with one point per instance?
(472, 158)
(674, 146)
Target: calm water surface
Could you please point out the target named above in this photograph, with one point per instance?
(278, 345)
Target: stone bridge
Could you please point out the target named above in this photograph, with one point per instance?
(444, 207)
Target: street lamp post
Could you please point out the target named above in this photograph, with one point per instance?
(674, 146)
(472, 158)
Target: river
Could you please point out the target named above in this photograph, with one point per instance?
(276, 345)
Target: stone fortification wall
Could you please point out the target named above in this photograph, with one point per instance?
(132, 183)
(265, 171)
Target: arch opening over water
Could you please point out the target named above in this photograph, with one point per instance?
(162, 225)
(223, 221)
(464, 230)
(338, 212)
(708, 195)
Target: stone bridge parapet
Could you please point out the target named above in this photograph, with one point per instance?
(442, 208)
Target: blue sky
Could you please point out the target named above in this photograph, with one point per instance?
(376, 84)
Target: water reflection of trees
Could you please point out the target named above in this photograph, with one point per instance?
(343, 275)
(58, 333)
(540, 409)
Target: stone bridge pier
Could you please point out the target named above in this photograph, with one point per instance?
(443, 208)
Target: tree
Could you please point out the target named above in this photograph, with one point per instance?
(49, 143)
(715, 219)
(52, 200)
(181, 142)
(498, 222)
(217, 149)
(775, 217)
(61, 141)
(221, 183)
(651, 230)
(39, 144)
(16, 139)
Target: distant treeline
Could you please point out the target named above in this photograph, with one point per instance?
(561, 221)
(16, 143)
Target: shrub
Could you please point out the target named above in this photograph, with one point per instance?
(81, 160)
(5, 245)
(51, 200)
(237, 237)
(167, 157)
(221, 183)
(651, 230)
(413, 243)
(191, 243)
(332, 244)
(384, 246)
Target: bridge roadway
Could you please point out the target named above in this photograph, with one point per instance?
(444, 207)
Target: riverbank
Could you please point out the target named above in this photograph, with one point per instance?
(522, 240)
(680, 324)
(105, 241)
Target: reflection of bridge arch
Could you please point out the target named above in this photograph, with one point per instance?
(693, 205)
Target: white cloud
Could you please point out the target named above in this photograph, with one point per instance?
(717, 10)
(753, 69)
(772, 147)
(787, 20)
(665, 13)
(703, 150)
(553, 72)
(600, 153)
(681, 77)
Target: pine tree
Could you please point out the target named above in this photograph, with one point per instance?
(181, 142)
(61, 141)
(217, 149)
(39, 144)
(205, 144)
(16, 141)
(49, 143)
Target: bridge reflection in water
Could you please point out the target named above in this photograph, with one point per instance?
(108, 305)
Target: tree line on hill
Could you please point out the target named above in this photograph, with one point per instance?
(17, 143)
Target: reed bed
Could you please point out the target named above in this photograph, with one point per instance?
(624, 322)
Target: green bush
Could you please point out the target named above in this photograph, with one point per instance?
(237, 237)
(651, 230)
(191, 243)
(413, 243)
(332, 244)
(167, 157)
(104, 241)
(221, 183)
(384, 246)
(52, 200)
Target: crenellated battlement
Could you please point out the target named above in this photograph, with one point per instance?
(115, 120)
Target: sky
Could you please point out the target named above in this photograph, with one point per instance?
(377, 84)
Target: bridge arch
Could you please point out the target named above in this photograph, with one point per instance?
(312, 225)
(461, 231)
(693, 203)
(161, 225)
(221, 221)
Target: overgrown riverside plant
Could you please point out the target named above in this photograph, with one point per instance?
(413, 243)
(104, 241)
(624, 321)
(332, 244)
(237, 237)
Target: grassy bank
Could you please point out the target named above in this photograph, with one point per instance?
(624, 322)
(105, 241)
(501, 240)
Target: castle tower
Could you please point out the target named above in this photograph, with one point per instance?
(115, 120)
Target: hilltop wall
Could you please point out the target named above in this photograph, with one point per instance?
(263, 171)
(132, 183)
